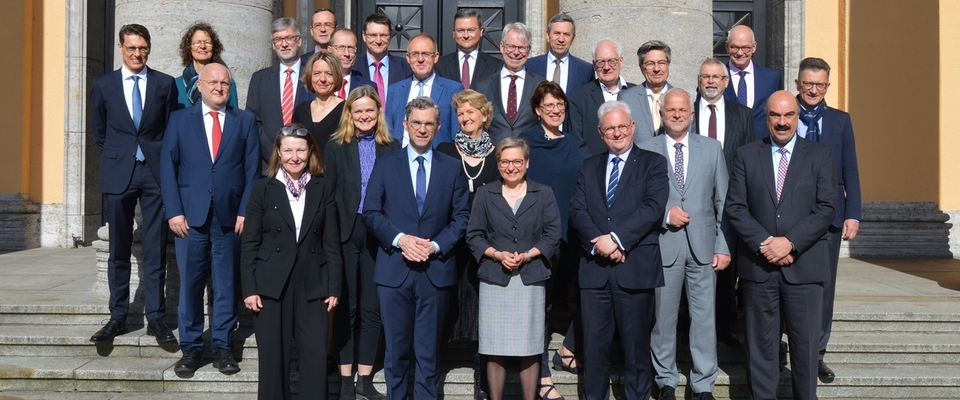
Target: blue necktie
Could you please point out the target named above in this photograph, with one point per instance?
(421, 184)
(614, 179)
(421, 88)
(742, 89)
(137, 111)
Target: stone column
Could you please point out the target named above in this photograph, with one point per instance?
(687, 27)
(243, 27)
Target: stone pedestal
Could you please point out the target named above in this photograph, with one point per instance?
(101, 287)
(902, 230)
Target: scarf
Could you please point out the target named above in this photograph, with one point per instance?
(479, 147)
(296, 191)
(190, 77)
(811, 117)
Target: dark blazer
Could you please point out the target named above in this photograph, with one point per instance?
(837, 133)
(270, 247)
(357, 80)
(190, 180)
(442, 94)
(579, 73)
(766, 81)
(582, 117)
(738, 127)
(399, 68)
(526, 118)
(805, 211)
(444, 218)
(493, 224)
(342, 168)
(635, 216)
(449, 67)
(114, 133)
(263, 100)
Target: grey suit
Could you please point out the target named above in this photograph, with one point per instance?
(636, 97)
(687, 254)
(501, 127)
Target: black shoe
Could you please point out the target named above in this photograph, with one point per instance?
(706, 396)
(667, 393)
(365, 389)
(159, 329)
(824, 372)
(189, 362)
(223, 361)
(730, 339)
(347, 392)
(113, 328)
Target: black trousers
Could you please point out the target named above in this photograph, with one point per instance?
(361, 300)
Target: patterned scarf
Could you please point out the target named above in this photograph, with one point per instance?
(479, 147)
(190, 77)
(296, 191)
(810, 118)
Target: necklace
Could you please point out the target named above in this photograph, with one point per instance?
(523, 188)
(463, 162)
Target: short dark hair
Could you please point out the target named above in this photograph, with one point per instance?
(136, 30)
(186, 56)
(651, 46)
(562, 17)
(377, 18)
(541, 92)
(468, 13)
(421, 103)
(329, 10)
(813, 63)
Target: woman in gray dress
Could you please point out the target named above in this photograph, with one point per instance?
(514, 229)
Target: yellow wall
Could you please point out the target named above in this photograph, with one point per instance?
(12, 108)
(46, 152)
(894, 97)
(949, 105)
(825, 37)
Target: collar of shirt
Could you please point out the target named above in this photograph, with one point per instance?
(551, 58)
(384, 63)
(414, 165)
(672, 151)
(649, 92)
(622, 85)
(279, 177)
(774, 148)
(295, 67)
(412, 156)
(505, 74)
(427, 83)
(705, 110)
(126, 73)
(734, 70)
(473, 54)
(623, 156)
(206, 109)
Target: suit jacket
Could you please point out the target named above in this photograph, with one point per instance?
(449, 67)
(494, 224)
(738, 127)
(342, 168)
(114, 133)
(399, 68)
(263, 100)
(270, 247)
(803, 214)
(444, 217)
(357, 80)
(526, 118)
(582, 117)
(191, 181)
(579, 73)
(837, 133)
(766, 81)
(636, 97)
(705, 189)
(634, 216)
(441, 93)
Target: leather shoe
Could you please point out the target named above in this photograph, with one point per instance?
(159, 329)
(668, 393)
(113, 328)
(730, 339)
(824, 372)
(224, 362)
(189, 362)
(706, 396)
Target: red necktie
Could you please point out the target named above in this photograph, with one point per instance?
(712, 126)
(217, 133)
(512, 100)
(286, 101)
(378, 80)
(465, 72)
(343, 90)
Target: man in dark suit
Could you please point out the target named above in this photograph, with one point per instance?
(617, 208)
(275, 91)
(417, 225)
(211, 156)
(644, 99)
(344, 46)
(129, 110)
(422, 55)
(573, 72)
(510, 89)
(750, 84)
(832, 127)
(781, 200)
(586, 99)
(322, 26)
(377, 64)
(732, 124)
(468, 33)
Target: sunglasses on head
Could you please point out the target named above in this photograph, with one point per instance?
(289, 130)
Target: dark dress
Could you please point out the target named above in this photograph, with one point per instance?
(321, 130)
(463, 313)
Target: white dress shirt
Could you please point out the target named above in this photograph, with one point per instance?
(296, 205)
(705, 119)
(735, 81)
(505, 86)
(127, 76)
(208, 124)
(471, 62)
(564, 69)
(294, 78)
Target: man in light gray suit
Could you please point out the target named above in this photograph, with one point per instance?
(512, 86)
(692, 246)
(644, 100)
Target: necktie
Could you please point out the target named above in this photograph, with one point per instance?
(556, 71)
(378, 80)
(421, 184)
(782, 171)
(712, 129)
(656, 112)
(512, 100)
(614, 179)
(137, 101)
(420, 84)
(465, 72)
(343, 90)
(286, 101)
(678, 166)
(742, 89)
(217, 133)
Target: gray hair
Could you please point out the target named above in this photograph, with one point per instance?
(814, 64)
(607, 40)
(511, 142)
(651, 46)
(611, 106)
(562, 17)
(281, 24)
(422, 103)
(715, 61)
(676, 90)
(468, 13)
(519, 27)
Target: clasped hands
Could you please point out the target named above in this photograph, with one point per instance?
(778, 251)
(510, 260)
(605, 246)
(416, 249)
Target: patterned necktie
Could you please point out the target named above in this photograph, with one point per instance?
(217, 133)
(286, 101)
(678, 166)
(343, 90)
(556, 71)
(614, 179)
(782, 171)
(742, 89)
(465, 72)
(512, 99)
(656, 112)
(421, 184)
(712, 126)
(137, 101)
(378, 80)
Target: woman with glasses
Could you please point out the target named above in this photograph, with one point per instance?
(361, 137)
(555, 160)
(199, 46)
(514, 229)
(323, 77)
(291, 267)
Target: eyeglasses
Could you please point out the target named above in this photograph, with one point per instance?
(709, 78)
(416, 125)
(204, 43)
(613, 63)
(290, 131)
(514, 163)
(417, 54)
(345, 49)
(620, 128)
(559, 106)
(328, 25)
(650, 64)
(819, 85)
(288, 39)
(225, 84)
(142, 50)
(512, 48)
(380, 36)
(464, 31)
(737, 49)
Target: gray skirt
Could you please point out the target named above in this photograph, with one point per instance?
(512, 318)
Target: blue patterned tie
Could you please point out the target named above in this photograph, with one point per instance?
(742, 89)
(421, 184)
(614, 179)
(137, 111)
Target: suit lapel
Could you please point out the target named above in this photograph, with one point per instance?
(528, 87)
(118, 88)
(273, 91)
(793, 168)
(200, 131)
(436, 168)
(626, 173)
(769, 172)
(406, 181)
(277, 192)
(310, 208)
(149, 97)
(497, 95)
(230, 127)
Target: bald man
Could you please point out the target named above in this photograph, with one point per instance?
(750, 84)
